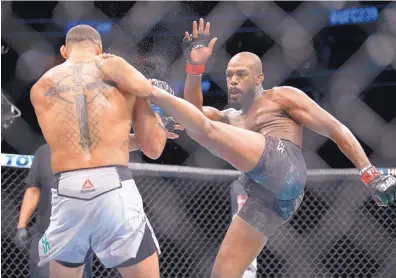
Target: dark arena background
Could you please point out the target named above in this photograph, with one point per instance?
(341, 54)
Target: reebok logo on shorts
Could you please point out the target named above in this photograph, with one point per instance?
(87, 186)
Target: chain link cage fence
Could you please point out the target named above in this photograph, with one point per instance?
(337, 232)
(327, 49)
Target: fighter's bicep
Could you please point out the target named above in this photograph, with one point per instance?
(305, 111)
(149, 132)
(144, 119)
(315, 121)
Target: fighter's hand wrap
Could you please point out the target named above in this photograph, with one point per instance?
(188, 45)
(169, 123)
(382, 187)
(22, 238)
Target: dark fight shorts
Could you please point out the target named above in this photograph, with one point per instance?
(275, 187)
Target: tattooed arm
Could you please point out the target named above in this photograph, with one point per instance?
(150, 133)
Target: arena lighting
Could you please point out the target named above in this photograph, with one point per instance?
(205, 85)
(101, 27)
(353, 16)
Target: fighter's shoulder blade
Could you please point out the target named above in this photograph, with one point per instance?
(47, 79)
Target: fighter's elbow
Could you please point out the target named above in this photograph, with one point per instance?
(145, 89)
(153, 153)
(155, 149)
(338, 131)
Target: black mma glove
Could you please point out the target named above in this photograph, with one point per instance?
(202, 40)
(198, 47)
(188, 45)
(22, 238)
(382, 187)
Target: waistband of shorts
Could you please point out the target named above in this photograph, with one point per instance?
(283, 139)
(92, 168)
(123, 172)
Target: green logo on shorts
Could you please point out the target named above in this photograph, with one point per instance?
(45, 245)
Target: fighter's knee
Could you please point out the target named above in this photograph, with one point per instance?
(224, 265)
(218, 273)
(215, 274)
(224, 252)
(225, 271)
(207, 131)
(210, 129)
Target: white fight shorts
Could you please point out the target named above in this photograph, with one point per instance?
(97, 210)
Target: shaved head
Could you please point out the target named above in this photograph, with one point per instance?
(244, 76)
(249, 59)
(82, 38)
(83, 33)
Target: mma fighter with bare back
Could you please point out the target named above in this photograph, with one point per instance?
(263, 140)
(86, 120)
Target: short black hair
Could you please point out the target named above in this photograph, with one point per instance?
(83, 33)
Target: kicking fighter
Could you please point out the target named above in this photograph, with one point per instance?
(263, 140)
